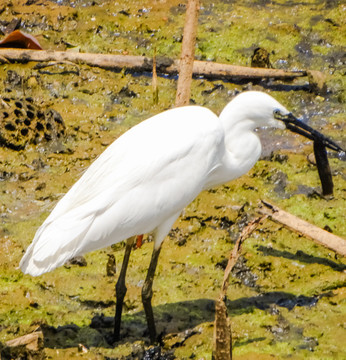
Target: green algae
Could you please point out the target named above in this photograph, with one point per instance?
(297, 307)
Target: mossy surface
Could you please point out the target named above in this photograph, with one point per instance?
(287, 298)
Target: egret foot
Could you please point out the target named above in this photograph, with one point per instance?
(147, 294)
(120, 289)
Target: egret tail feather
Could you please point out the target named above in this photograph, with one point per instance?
(54, 244)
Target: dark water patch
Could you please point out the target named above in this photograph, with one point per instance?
(309, 343)
(216, 87)
(277, 86)
(336, 58)
(284, 331)
(316, 19)
(265, 301)
(92, 304)
(178, 10)
(289, 4)
(123, 96)
(279, 179)
(101, 321)
(241, 271)
(301, 300)
(177, 317)
(330, 4)
(156, 353)
(307, 191)
(170, 318)
(332, 22)
(238, 343)
(302, 257)
(140, 351)
(5, 175)
(71, 335)
(75, 3)
(269, 84)
(304, 51)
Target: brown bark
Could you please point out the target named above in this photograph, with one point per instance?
(142, 63)
(187, 54)
(222, 331)
(222, 325)
(313, 232)
(29, 346)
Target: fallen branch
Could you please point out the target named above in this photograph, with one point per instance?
(315, 233)
(30, 346)
(145, 64)
(222, 326)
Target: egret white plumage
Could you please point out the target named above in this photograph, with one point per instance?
(144, 179)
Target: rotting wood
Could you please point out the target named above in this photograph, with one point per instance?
(145, 64)
(222, 325)
(30, 346)
(187, 54)
(311, 231)
(222, 331)
(32, 341)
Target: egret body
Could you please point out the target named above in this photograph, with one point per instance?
(144, 179)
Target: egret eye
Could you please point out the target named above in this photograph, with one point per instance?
(277, 112)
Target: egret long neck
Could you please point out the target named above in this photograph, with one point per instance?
(242, 148)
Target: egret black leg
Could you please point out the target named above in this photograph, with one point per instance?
(120, 288)
(147, 294)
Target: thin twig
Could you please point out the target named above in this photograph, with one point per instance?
(154, 81)
(222, 326)
(234, 256)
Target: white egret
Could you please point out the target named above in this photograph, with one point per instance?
(144, 179)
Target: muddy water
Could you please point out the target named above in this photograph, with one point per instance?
(287, 294)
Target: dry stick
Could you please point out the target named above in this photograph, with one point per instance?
(154, 82)
(187, 54)
(33, 341)
(323, 168)
(222, 326)
(145, 64)
(313, 232)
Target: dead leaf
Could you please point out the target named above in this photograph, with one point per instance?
(20, 40)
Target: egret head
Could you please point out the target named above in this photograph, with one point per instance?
(258, 109)
(255, 107)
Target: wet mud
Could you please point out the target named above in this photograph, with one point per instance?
(287, 294)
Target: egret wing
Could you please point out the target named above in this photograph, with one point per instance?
(145, 177)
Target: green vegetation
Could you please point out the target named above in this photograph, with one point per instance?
(295, 304)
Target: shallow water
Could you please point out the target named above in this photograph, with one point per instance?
(287, 297)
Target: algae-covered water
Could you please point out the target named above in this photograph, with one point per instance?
(287, 294)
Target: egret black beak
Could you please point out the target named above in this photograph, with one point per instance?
(297, 126)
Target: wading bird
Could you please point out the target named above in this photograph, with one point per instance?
(145, 178)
